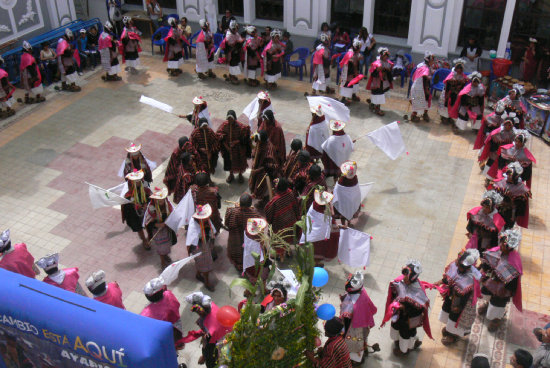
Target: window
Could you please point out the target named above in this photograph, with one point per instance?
(270, 9)
(391, 18)
(165, 4)
(236, 7)
(348, 14)
(482, 19)
(531, 19)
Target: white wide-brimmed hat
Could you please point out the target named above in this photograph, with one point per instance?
(135, 175)
(202, 212)
(159, 193)
(256, 225)
(317, 110)
(262, 95)
(349, 169)
(198, 100)
(337, 125)
(133, 148)
(322, 198)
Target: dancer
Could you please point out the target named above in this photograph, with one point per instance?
(515, 205)
(158, 210)
(484, 222)
(133, 213)
(350, 66)
(454, 83)
(130, 45)
(470, 104)
(273, 55)
(66, 278)
(253, 58)
(232, 46)
(205, 51)
(421, 98)
(380, 80)
(200, 239)
(6, 93)
(173, 51)
(235, 146)
(106, 293)
(68, 61)
(108, 51)
(337, 149)
(321, 68)
(317, 133)
(30, 76)
(16, 258)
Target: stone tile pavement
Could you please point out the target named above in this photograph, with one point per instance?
(417, 207)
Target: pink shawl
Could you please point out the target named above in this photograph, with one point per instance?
(496, 173)
(318, 56)
(363, 311)
(268, 47)
(105, 41)
(170, 34)
(422, 70)
(375, 65)
(497, 218)
(62, 46)
(27, 60)
(348, 55)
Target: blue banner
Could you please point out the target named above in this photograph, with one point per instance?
(44, 326)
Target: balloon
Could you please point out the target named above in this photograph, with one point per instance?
(227, 316)
(326, 311)
(317, 341)
(320, 277)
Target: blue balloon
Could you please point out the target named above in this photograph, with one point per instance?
(320, 277)
(326, 311)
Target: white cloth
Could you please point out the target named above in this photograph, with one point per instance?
(441, 108)
(100, 197)
(321, 83)
(354, 248)
(347, 200)
(71, 78)
(318, 134)
(132, 63)
(333, 109)
(404, 344)
(170, 273)
(37, 90)
(250, 246)
(115, 69)
(235, 70)
(378, 99)
(251, 111)
(182, 214)
(203, 65)
(320, 227)
(388, 138)
(175, 64)
(152, 166)
(418, 99)
(156, 104)
(252, 74)
(7, 103)
(272, 78)
(194, 232)
(338, 148)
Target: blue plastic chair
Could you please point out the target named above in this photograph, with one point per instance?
(410, 83)
(162, 32)
(437, 80)
(303, 54)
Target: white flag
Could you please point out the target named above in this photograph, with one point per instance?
(388, 138)
(157, 104)
(291, 278)
(347, 200)
(365, 189)
(182, 214)
(106, 197)
(251, 111)
(354, 248)
(170, 273)
(333, 110)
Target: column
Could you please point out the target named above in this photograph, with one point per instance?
(192, 9)
(368, 15)
(506, 25)
(430, 26)
(249, 7)
(61, 12)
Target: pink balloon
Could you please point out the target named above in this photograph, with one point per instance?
(227, 316)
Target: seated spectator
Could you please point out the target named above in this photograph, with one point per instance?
(155, 13)
(86, 57)
(93, 42)
(521, 359)
(325, 29)
(48, 62)
(186, 30)
(226, 19)
(541, 357)
(289, 45)
(400, 63)
(340, 40)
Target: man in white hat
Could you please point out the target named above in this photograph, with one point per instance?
(380, 80)
(235, 146)
(252, 243)
(200, 239)
(315, 178)
(407, 307)
(133, 213)
(136, 160)
(105, 293)
(235, 220)
(471, 104)
(205, 51)
(347, 202)
(273, 55)
(350, 65)
(30, 76)
(158, 210)
(317, 132)
(233, 48)
(108, 51)
(15, 257)
(421, 98)
(130, 45)
(164, 306)
(453, 84)
(252, 66)
(321, 67)
(200, 111)
(357, 312)
(461, 284)
(66, 278)
(337, 149)
(173, 54)
(6, 93)
(264, 104)
(67, 62)
(502, 270)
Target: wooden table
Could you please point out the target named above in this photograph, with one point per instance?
(141, 16)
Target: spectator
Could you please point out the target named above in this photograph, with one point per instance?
(521, 359)
(289, 45)
(368, 43)
(48, 61)
(326, 29)
(82, 46)
(472, 52)
(92, 38)
(480, 361)
(155, 13)
(529, 61)
(400, 63)
(340, 40)
(186, 30)
(268, 31)
(114, 13)
(541, 357)
(226, 19)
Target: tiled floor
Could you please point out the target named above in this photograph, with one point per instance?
(417, 208)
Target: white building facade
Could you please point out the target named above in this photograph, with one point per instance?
(442, 26)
